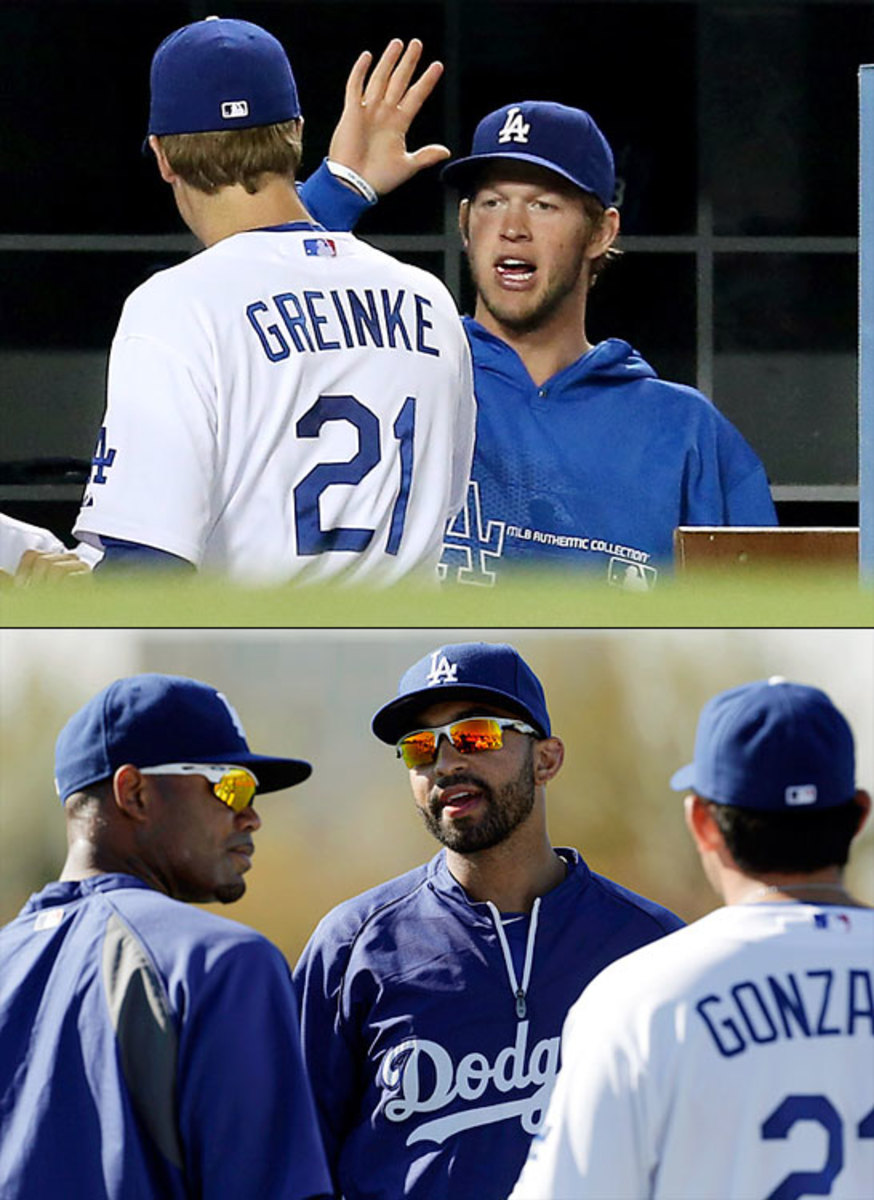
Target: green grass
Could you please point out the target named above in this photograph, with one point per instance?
(789, 599)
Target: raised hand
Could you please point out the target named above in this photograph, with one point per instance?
(371, 134)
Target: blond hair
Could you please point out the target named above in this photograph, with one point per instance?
(210, 161)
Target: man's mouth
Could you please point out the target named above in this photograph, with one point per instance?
(459, 801)
(244, 851)
(514, 272)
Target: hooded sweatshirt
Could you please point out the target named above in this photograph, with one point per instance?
(595, 468)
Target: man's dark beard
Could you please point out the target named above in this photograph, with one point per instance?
(505, 810)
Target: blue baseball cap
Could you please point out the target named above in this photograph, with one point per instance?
(220, 74)
(148, 720)
(493, 671)
(562, 139)
(774, 746)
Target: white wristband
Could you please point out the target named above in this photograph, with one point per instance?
(352, 177)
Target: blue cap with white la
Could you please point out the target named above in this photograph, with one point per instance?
(486, 671)
(148, 720)
(771, 745)
(220, 74)
(562, 139)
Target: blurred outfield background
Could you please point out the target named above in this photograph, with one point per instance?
(747, 596)
(625, 702)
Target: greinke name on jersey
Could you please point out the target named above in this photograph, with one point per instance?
(346, 318)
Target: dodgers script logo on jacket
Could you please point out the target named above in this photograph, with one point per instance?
(421, 1077)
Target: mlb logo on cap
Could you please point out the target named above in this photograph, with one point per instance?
(771, 745)
(235, 108)
(796, 797)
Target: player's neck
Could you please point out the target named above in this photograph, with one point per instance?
(511, 876)
(817, 887)
(546, 349)
(232, 210)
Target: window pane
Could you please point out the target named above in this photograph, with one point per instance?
(783, 82)
(785, 365)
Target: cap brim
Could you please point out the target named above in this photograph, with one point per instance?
(273, 774)
(684, 779)
(402, 716)
(461, 173)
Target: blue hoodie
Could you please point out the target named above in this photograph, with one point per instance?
(592, 470)
(431, 1024)
(595, 468)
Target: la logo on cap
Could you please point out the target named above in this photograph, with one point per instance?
(515, 128)
(443, 671)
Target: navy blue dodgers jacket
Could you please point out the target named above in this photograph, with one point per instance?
(148, 1049)
(430, 1071)
(595, 468)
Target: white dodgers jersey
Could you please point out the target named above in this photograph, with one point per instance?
(732, 1060)
(286, 404)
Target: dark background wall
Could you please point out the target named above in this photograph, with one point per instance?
(735, 132)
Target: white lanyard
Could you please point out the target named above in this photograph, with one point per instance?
(520, 991)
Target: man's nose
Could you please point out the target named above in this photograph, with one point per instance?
(515, 225)
(446, 757)
(249, 818)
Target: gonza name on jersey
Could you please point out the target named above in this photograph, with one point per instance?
(420, 1077)
(316, 321)
(806, 1004)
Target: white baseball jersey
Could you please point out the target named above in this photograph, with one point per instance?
(288, 403)
(732, 1060)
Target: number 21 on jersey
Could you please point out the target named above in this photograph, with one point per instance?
(311, 537)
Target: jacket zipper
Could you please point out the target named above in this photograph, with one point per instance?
(519, 990)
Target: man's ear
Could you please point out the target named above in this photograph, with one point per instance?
(548, 758)
(701, 824)
(464, 221)
(129, 791)
(167, 172)
(604, 234)
(863, 803)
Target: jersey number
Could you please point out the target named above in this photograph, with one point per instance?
(820, 1109)
(311, 537)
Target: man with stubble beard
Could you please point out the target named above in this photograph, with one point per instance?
(432, 1005)
(585, 459)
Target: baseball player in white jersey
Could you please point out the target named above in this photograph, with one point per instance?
(289, 402)
(734, 1059)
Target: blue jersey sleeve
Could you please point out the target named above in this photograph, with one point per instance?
(330, 202)
(329, 1051)
(731, 487)
(749, 502)
(122, 555)
(259, 1136)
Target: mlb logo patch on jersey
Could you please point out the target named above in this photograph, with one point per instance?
(320, 248)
